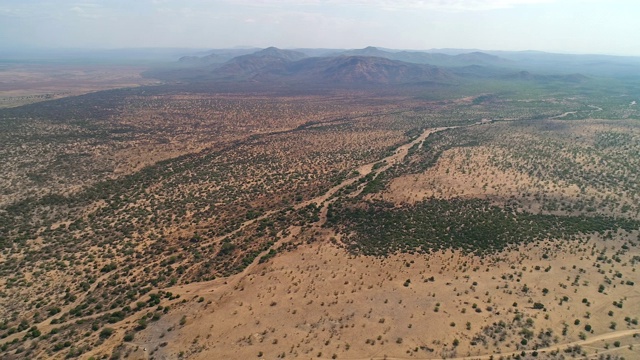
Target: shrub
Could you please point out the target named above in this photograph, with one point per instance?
(106, 332)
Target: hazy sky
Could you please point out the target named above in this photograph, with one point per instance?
(570, 26)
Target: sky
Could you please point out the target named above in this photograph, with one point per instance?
(565, 26)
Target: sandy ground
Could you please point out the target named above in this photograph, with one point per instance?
(22, 84)
(320, 302)
(449, 179)
(469, 173)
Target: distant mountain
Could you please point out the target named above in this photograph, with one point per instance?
(204, 60)
(250, 65)
(371, 69)
(290, 55)
(273, 64)
(282, 66)
(217, 56)
(480, 58)
(315, 52)
(479, 71)
(368, 51)
(426, 58)
(527, 76)
(598, 65)
(465, 59)
(147, 56)
(370, 65)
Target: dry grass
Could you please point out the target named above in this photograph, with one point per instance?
(318, 301)
(202, 216)
(565, 170)
(22, 84)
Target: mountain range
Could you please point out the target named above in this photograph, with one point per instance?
(369, 65)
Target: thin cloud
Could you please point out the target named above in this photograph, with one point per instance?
(88, 10)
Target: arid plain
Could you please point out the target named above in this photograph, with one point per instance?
(455, 218)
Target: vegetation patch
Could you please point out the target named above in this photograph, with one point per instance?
(475, 226)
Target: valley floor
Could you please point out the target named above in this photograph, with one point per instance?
(320, 302)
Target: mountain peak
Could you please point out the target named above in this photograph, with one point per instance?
(269, 50)
(288, 55)
(371, 69)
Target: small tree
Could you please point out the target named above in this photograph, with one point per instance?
(106, 332)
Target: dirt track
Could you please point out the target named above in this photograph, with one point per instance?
(602, 337)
